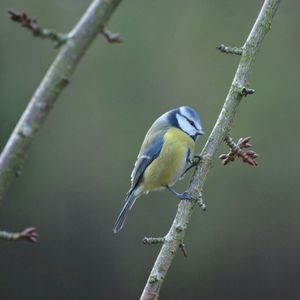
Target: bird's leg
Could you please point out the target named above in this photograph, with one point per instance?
(183, 196)
(193, 163)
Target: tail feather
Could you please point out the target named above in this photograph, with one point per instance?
(124, 212)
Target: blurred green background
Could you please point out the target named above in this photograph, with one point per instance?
(247, 244)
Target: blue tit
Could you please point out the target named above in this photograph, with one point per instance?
(166, 152)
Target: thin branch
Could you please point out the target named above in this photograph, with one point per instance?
(54, 82)
(247, 156)
(29, 234)
(37, 31)
(185, 208)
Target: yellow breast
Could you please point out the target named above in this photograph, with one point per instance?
(167, 168)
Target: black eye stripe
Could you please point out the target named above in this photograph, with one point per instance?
(174, 121)
(190, 121)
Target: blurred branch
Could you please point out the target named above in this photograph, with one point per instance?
(37, 31)
(28, 234)
(176, 234)
(52, 85)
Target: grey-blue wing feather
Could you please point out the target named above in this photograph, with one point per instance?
(147, 154)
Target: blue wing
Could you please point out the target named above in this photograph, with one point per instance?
(148, 153)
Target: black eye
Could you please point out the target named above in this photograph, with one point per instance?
(192, 123)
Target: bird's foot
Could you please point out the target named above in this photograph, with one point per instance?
(183, 196)
(193, 163)
(197, 158)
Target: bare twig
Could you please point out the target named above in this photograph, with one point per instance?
(112, 37)
(230, 50)
(183, 249)
(161, 240)
(37, 31)
(247, 156)
(246, 91)
(153, 240)
(175, 236)
(54, 82)
(29, 234)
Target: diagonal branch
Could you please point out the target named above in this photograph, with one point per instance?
(54, 82)
(177, 231)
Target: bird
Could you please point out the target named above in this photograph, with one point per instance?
(165, 154)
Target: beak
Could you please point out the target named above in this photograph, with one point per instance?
(201, 132)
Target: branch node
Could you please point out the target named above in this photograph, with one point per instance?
(153, 240)
(242, 90)
(245, 91)
(153, 279)
(183, 249)
(201, 203)
(18, 172)
(179, 229)
(26, 131)
(28, 234)
(31, 24)
(112, 37)
(230, 50)
(237, 151)
(199, 199)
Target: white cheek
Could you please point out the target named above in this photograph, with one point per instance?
(185, 125)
